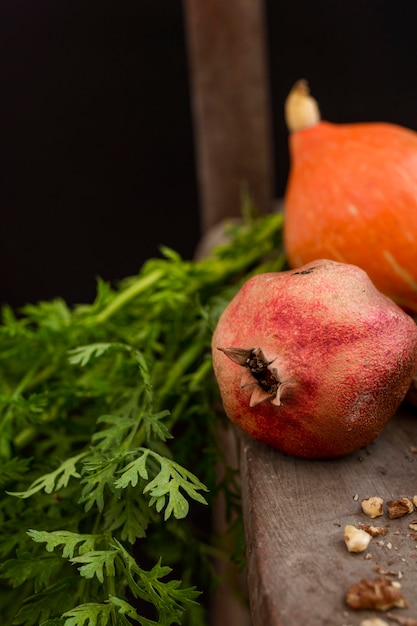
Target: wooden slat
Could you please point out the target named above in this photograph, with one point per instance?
(229, 83)
(231, 105)
(295, 512)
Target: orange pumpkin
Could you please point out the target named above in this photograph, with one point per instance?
(351, 196)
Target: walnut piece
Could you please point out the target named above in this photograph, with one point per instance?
(400, 507)
(373, 506)
(356, 539)
(374, 531)
(380, 593)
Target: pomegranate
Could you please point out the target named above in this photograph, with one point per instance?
(313, 361)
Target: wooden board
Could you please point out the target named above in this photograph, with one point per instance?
(295, 511)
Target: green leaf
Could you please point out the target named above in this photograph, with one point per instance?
(155, 428)
(13, 470)
(54, 315)
(122, 425)
(110, 438)
(97, 563)
(26, 408)
(134, 470)
(40, 569)
(69, 541)
(124, 608)
(88, 614)
(129, 515)
(169, 598)
(99, 475)
(104, 387)
(83, 354)
(53, 481)
(48, 604)
(143, 367)
(168, 483)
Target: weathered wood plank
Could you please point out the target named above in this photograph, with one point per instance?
(227, 49)
(229, 85)
(295, 512)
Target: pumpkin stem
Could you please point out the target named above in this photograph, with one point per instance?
(301, 109)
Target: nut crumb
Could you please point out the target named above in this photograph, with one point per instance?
(374, 531)
(381, 594)
(374, 621)
(356, 540)
(403, 621)
(400, 507)
(373, 506)
(379, 570)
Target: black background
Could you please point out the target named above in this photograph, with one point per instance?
(97, 162)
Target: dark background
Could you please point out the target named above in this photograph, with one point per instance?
(97, 162)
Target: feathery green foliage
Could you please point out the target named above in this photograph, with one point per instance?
(108, 443)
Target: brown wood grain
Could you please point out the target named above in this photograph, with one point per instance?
(229, 84)
(295, 512)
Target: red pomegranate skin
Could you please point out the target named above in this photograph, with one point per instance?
(345, 353)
